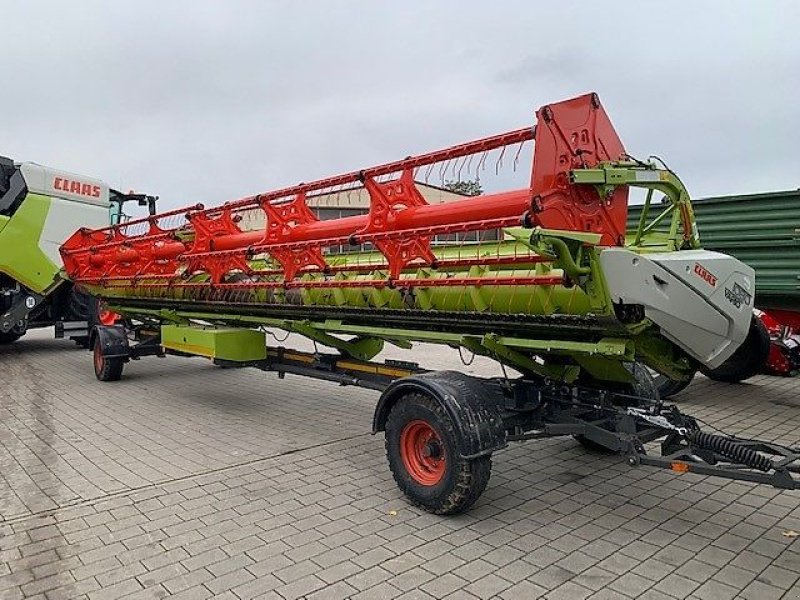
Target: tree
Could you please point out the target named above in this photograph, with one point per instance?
(469, 187)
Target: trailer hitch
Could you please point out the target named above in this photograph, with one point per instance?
(627, 425)
(687, 449)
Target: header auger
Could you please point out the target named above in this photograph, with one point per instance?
(542, 279)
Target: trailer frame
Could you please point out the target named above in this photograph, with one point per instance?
(484, 415)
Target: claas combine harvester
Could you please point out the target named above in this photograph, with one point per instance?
(580, 314)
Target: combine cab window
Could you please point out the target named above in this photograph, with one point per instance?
(12, 187)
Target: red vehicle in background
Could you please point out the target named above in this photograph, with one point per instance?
(784, 334)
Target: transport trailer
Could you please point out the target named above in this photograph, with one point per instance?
(540, 279)
(442, 427)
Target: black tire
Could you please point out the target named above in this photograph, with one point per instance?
(749, 358)
(644, 387)
(462, 480)
(81, 306)
(106, 369)
(9, 337)
(669, 387)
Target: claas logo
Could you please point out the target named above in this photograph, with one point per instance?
(76, 187)
(705, 275)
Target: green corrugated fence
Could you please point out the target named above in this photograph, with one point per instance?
(762, 230)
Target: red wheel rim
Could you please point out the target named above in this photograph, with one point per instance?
(99, 359)
(422, 452)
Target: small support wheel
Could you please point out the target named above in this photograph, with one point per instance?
(422, 448)
(106, 368)
(13, 334)
(748, 360)
(669, 387)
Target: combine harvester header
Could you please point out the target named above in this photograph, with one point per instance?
(561, 297)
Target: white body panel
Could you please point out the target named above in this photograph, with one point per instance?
(75, 201)
(701, 300)
(64, 218)
(52, 182)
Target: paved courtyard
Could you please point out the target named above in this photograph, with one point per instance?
(185, 480)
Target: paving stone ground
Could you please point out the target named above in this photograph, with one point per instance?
(184, 480)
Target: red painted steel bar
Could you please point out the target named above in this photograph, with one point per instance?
(361, 283)
(480, 208)
(152, 218)
(486, 144)
(447, 263)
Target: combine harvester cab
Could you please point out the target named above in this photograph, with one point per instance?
(560, 297)
(40, 208)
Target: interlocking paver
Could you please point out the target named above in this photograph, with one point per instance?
(382, 591)
(116, 591)
(715, 590)
(443, 585)
(188, 481)
(631, 584)
(551, 577)
(595, 578)
(676, 585)
(338, 572)
(697, 570)
(301, 587)
(524, 590)
(229, 580)
(443, 564)
(193, 593)
(337, 591)
(488, 586)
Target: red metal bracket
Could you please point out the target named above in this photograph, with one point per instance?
(576, 134)
(387, 200)
(281, 220)
(208, 226)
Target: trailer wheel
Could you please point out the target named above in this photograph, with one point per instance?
(105, 368)
(422, 448)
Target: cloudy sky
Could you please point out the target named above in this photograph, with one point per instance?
(208, 101)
